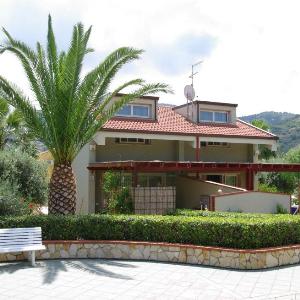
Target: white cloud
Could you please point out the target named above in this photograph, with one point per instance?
(13, 71)
(255, 63)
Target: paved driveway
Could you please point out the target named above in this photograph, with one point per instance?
(116, 279)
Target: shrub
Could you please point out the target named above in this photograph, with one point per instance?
(234, 230)
(27, 174)
(280, 209)
(11, 203)
(264, 187)
(117, 193)
(221, 214)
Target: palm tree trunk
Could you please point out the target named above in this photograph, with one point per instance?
(62, 190)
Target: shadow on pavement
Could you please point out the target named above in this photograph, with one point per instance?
(51, 268)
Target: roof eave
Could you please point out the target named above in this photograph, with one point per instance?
(188, 134)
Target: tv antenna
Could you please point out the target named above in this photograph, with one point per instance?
(194, 73)
(189, 91)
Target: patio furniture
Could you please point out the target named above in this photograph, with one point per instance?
(21, 240)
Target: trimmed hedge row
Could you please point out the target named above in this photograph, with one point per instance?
(232, 232)
(206, 213)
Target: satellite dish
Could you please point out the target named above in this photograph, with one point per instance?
(189, 92)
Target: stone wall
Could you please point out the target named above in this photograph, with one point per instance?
(200, 255)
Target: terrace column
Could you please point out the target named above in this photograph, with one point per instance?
(181, 150)
(250, 180)
(255, 153)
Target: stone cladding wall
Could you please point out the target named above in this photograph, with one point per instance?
(165, 252)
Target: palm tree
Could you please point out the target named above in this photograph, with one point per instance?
(13, 133)
(72, 107)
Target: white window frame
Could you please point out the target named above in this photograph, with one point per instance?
(140, 141)
(217, 144)
(224, 112)
(206, 121)
(136, 116)
(214, 118)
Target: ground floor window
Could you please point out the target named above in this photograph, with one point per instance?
(228, 179)
(215, 178)
(146, 180)
(156, 179)
(231, 180)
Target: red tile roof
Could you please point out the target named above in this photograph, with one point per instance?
(170, 122)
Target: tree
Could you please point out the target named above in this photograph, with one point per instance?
(13, 133)
(293, 156)
(262, 124)
(24, 174)
(265, 152)
(286, 182)
(72, 107)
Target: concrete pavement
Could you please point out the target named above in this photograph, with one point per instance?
(118, 279)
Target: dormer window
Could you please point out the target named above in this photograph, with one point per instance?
(213, 116)
(206, 116)
(135, 110)
(221, 116)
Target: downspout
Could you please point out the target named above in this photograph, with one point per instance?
(197, 154)
(197, 139)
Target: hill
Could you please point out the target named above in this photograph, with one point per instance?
(285, 125)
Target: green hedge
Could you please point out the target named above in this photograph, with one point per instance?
(206, 213)
(233, 232)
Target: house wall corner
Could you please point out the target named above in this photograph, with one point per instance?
(85, 179)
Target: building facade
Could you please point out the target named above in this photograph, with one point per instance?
(201, 145)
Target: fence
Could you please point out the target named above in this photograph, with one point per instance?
(154, 200)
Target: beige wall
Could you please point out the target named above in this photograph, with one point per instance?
(189, 191)
(242, 178)
(99, 194)
(157, 150)
(255, 202)
(85, 180)
(189, 152)
(189, 111)
(231, 153)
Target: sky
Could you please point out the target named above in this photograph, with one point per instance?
(250, 50)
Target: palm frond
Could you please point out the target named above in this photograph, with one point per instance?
(95, 83)
(4, 108)
(101, 116)
(72, 108)
(14, 97)
(14, 119)
(51, 50)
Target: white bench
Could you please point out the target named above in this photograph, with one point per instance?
(21, 239)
